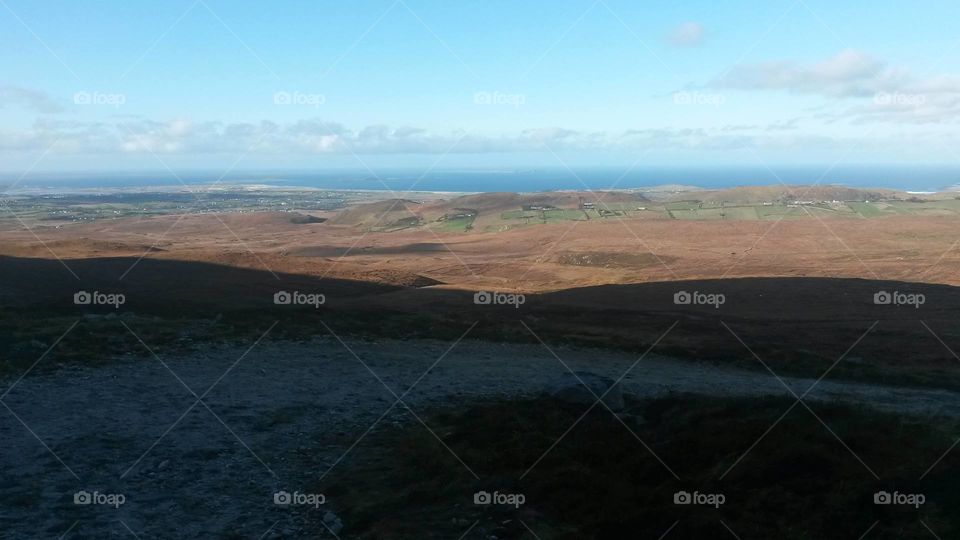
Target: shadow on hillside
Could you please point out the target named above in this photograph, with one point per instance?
(795, 325)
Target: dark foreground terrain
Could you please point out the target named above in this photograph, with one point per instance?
(814, 474)
(384, 410)
(398, 436)
(797, 326)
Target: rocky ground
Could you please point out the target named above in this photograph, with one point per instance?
(199, 445)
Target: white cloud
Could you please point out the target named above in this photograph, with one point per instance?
(179, 127)
(885, 94)
(34, 100)
(319, 137)
(686, 34)
(846, 74)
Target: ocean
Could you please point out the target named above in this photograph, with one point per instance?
(905, 178)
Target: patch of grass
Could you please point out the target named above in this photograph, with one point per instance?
(520, 214)
(564, 214)
(740, 212)
(457, 224)
(601, 481)
(866, 210)
(778, 211)
(717, 213)
(683, 205)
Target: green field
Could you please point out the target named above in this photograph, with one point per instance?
(865, 209)
(780, 211)
(622, 206)
(462, 224)
(564, 214)
(910, 208)
(546, 216)
(715, 213)
(683, 205)
(944, 207)
(520, 214)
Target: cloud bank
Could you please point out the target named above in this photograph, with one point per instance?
(321, 137)
(884, 93)
(28, 98)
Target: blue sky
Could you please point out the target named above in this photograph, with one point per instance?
(216, 84)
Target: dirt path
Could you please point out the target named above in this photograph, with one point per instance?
(209, 469)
